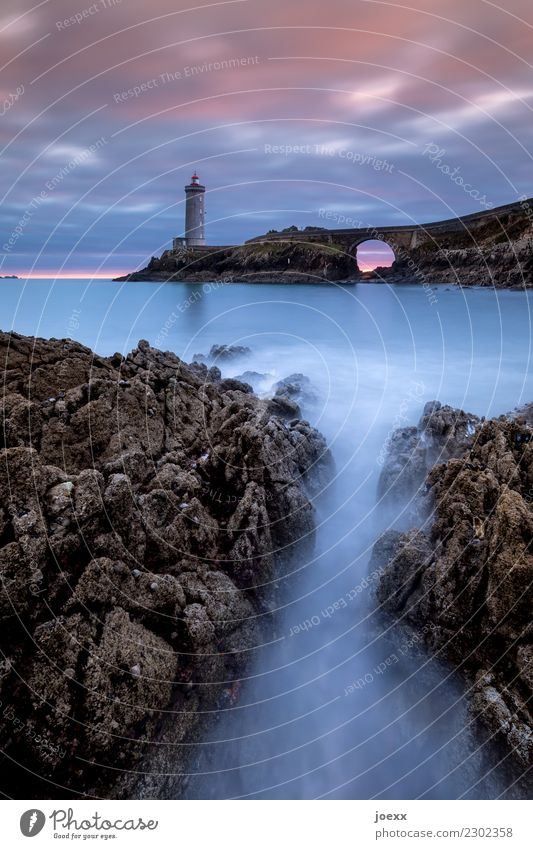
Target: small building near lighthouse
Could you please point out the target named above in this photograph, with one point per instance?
(194, 216)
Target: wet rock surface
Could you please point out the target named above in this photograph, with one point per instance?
(254, 379)
(291, 394)
(223, 354)
(145, 508)
(466, 574)
(443, 432)
(298, 387)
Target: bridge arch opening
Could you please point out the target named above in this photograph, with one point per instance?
(372, 254)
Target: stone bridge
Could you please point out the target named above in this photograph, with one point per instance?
(402, 239)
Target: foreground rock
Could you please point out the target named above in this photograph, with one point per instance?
(290, 395)
(144, 507)
(298, 387)
(466, 576)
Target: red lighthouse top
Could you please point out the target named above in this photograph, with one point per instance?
(194, 179)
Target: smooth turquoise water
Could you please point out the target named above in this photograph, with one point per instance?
(472, 347)
(376, 354)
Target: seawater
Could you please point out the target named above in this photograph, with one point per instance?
(341, 703)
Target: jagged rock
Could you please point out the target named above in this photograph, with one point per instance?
(226, 353)
(468, 578)
(298, 388)
(253, 378)
(122, 576)
(294, 391)
(232, 384)
(508, 264)
(407, 556)
(284, 262)
(222, 354)
(442, 432)
(284, 407)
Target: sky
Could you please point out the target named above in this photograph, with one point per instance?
(345, 113)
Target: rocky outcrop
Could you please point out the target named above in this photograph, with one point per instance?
(502, 266)
(499, 253)
(145, 509)
(283, 262)
(443, 432)
(290, 395)
(466, 575)
(489, 248)
(222, 354)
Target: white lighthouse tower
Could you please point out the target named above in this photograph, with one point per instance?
(194, 213)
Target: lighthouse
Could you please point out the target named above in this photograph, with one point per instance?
(194, 213)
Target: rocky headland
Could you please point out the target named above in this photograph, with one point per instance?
(283, 262)
(464, 576)
(500, 255)
(489, 248)
(147, 508)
